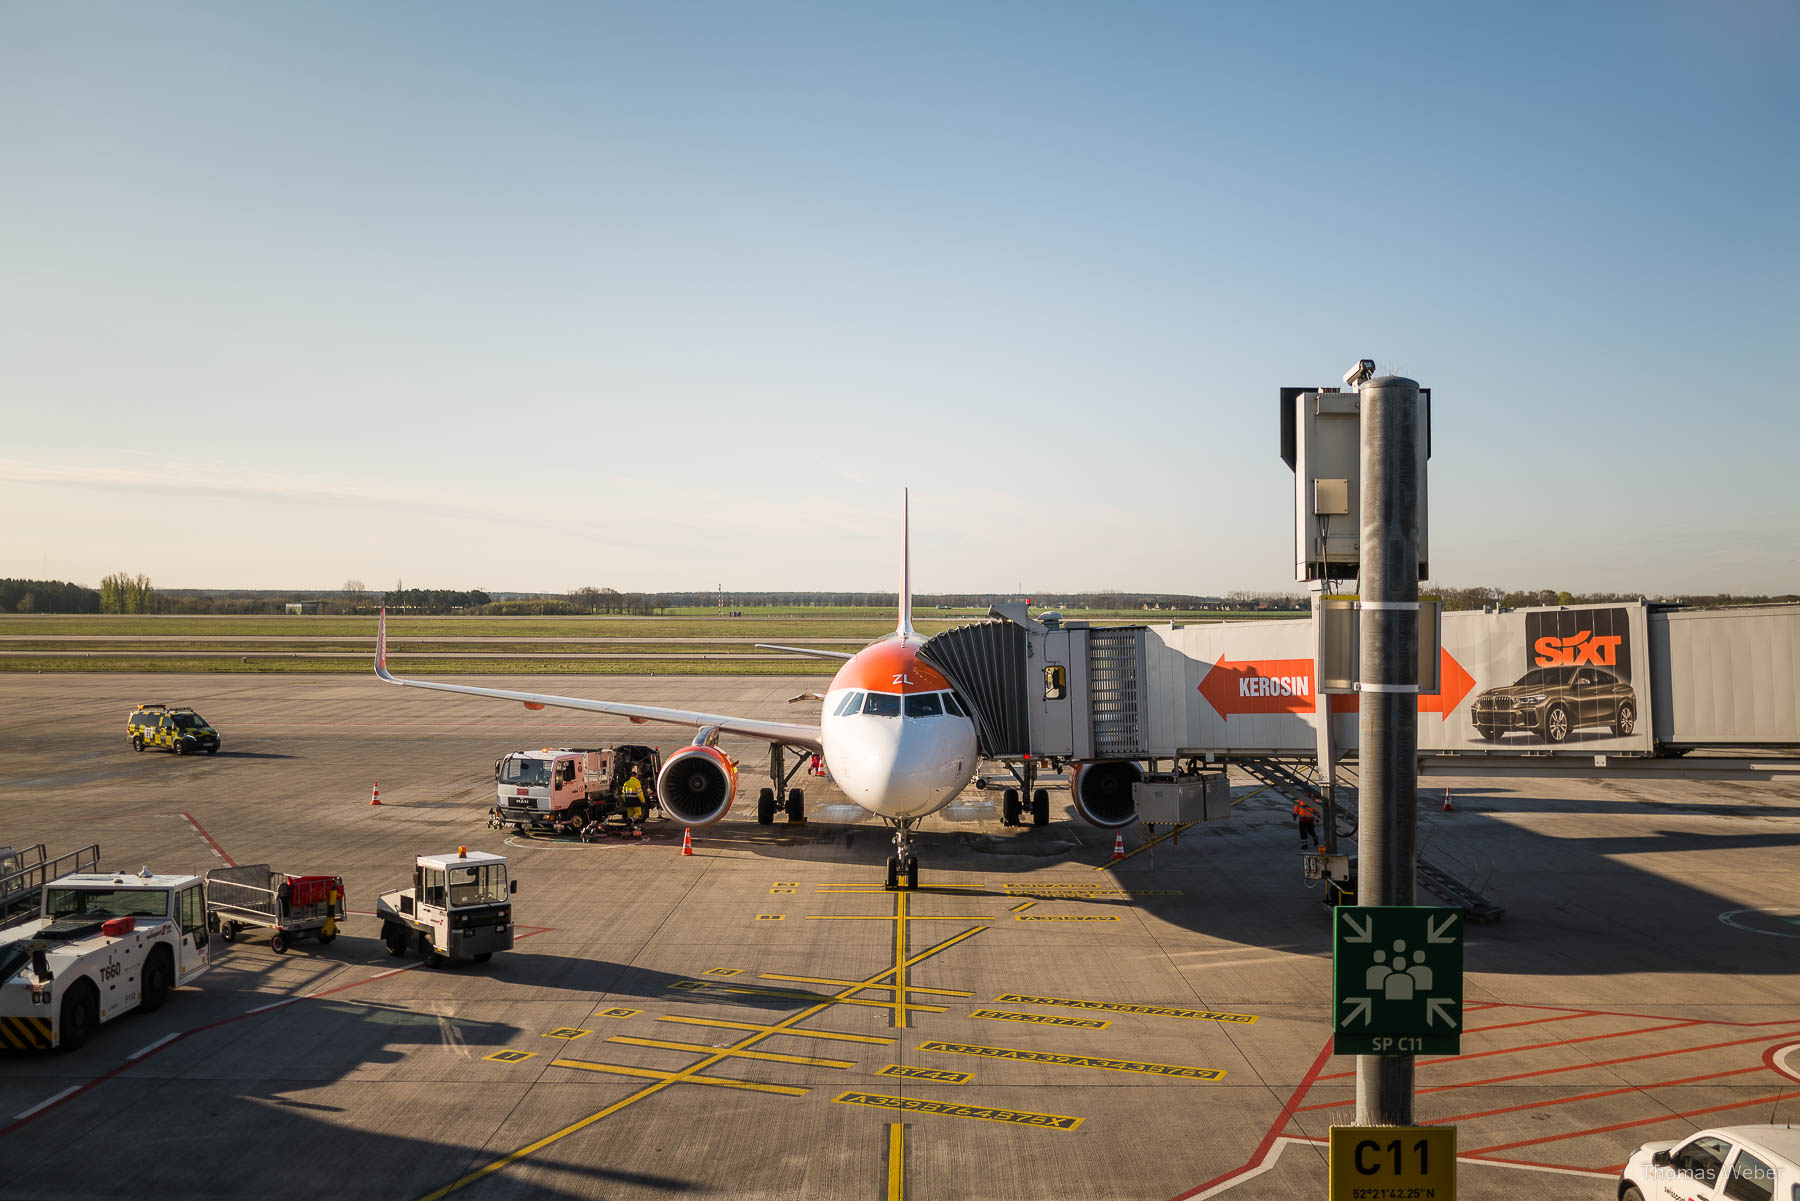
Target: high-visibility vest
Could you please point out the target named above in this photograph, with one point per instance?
(633, 787)
(1303, 812)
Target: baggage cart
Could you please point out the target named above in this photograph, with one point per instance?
(239, 898)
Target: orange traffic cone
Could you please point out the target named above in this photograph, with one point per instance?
(375, 794)
(1448, 807)
(1118, 847)
(687, 841)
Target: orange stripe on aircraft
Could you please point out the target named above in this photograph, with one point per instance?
(890, 667)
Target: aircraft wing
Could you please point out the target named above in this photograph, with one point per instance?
(786, 733)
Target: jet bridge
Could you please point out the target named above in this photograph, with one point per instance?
(1588, 682)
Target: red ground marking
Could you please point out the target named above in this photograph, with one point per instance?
(1561, 1042)
(1274, 1131)
(1664, 1117)
(1592, 1063)
(1769, 1061)
(1563, 1017)
(1611, 1092)
(219, 850)
(181, 1036)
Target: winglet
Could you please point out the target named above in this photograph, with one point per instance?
(381, 648)
(906, 625)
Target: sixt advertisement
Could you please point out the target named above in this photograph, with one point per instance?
(1530, 680)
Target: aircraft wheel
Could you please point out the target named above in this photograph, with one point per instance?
(796, 805)
(765, 807)
(1009, 807)
(1040, 808)
(893, 874)
(912, 872)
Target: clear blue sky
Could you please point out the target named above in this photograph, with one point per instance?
(532, 296)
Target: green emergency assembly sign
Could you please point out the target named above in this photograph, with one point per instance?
(1397, 980)
(1392, 1163)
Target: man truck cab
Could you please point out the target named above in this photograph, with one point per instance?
(459, 907)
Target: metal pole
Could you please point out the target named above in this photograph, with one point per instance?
(1325, 740)
(1388, 720)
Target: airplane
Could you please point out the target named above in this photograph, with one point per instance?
(893, 734)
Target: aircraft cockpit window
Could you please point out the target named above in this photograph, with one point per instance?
(952, 705)
(850, 704)
(882, 704)
(924, 704)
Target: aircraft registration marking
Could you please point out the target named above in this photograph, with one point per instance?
(1181, 1070)
(511, 1056)
(1160, 1011)
(1018, 1117)
(1040, 1019)
(935, 1075)
(568, 1033)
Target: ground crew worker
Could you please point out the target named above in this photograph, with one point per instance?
(1304, 816)
(632, 793)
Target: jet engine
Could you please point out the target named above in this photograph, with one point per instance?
(697, 784)
(1102, 792)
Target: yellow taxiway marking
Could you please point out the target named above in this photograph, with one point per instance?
(896, 1165)
(749, 990)
(723, 971)
(664, 1080)
(1180, 1070)
(934, 1075)
(1065, 917)
(1160, 1011)
(685, 1077)
(936, 992)
(1019, 1117)
(568, 1033)
(887, 917)
(511, 1056)
(900, 1021)
(771, 1056)
(1021, 908)
(771, 917)
(619, 1013)
(1040, 1019)
(1071, 892)
(833, 1035)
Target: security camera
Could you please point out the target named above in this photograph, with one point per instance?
(1364, 369)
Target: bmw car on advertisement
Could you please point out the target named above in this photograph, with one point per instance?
(1728, 1163)
(1552, 702)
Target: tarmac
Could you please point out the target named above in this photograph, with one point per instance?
(763, 1020)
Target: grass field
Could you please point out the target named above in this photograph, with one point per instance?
(703, 644)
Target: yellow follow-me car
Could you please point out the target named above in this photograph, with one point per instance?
(172, 727)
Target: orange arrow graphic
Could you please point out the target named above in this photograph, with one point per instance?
(1235, 687)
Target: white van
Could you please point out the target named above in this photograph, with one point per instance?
(1742, 1163)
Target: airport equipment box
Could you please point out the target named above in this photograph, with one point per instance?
(1172, 800)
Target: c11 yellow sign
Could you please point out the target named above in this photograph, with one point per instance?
(1393, 1163)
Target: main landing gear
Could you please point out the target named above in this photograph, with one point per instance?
(768, 801)
(903, 865)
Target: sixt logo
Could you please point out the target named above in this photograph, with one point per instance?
(1578, 648)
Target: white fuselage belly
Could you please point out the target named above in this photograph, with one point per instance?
(898, 767)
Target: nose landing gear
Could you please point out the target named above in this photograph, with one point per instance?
(902, 865)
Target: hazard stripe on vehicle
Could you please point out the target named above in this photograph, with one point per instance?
(25, 1034)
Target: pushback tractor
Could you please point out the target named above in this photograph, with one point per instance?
(104, 944)
(458, 908)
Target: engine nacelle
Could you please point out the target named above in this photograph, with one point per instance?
(1102, 792)
(697, 784)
